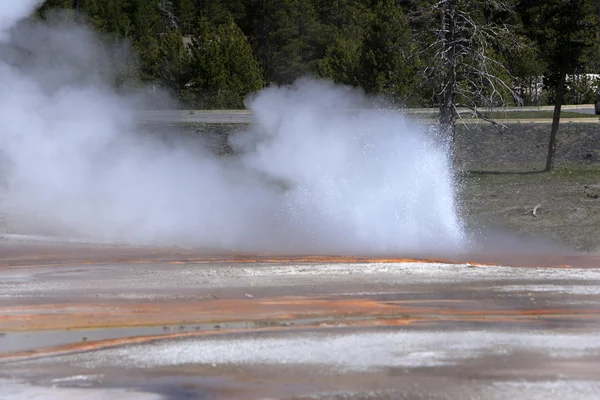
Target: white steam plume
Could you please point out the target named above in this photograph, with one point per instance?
(309, 177)
(12, 11)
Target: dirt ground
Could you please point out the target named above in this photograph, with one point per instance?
(568, 198)
(523, 147)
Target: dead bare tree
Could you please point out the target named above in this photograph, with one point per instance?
(463, 59)
(166, 9)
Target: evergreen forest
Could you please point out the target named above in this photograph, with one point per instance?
(213, 53)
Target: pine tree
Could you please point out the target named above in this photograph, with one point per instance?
(259, 24)
(109, 16)
(349, 20)
(147, 25)
(185, 11)
(297, 41)
(564, 30)
(224, 68)
(173, 63)
(221, 11)
(387, 59)
(341, 62)
(54, 4)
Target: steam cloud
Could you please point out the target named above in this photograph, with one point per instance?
(12, 11)
(309, 175)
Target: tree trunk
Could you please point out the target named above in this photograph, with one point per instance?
(560, 94)
(448, 114)
(447, 120)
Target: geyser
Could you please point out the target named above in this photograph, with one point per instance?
(316, 173)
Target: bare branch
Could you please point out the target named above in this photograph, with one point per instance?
(492, 121)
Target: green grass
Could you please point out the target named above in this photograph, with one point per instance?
(577, 172)
(568, 213)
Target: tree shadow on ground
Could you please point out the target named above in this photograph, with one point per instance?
(480, 172)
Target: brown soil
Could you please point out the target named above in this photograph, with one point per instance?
(568, 198)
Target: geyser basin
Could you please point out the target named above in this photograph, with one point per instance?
(165, 323)
(307, 178)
